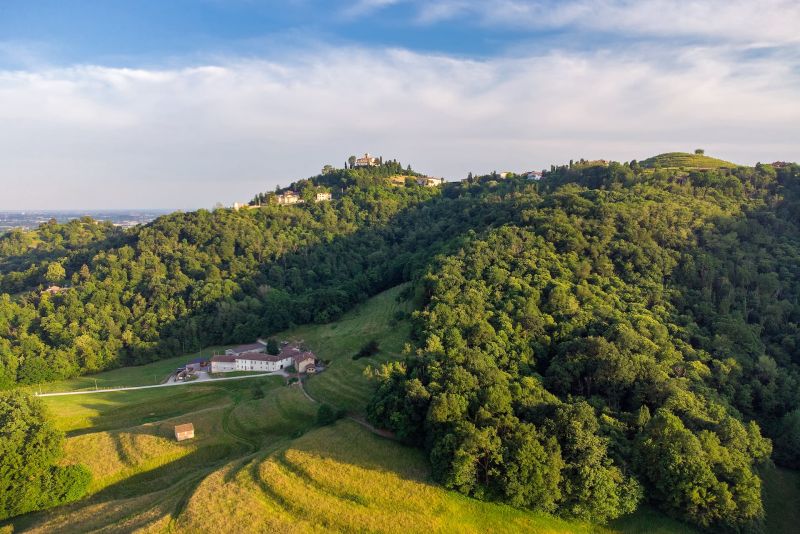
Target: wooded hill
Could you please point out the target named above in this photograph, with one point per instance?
(607, 335)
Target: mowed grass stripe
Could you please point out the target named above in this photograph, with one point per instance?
(379, 486)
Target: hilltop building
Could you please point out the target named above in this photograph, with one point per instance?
(534, 175)
(241, 206)
(289, 197)
(54, 290)
(367, 161)
(321, 197)
(429, 181)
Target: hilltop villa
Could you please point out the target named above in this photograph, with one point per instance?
(54, 290)
(253, 358)
(367, 161)
(289, 197)
(429, 181)
(244, 206)
(323, 197)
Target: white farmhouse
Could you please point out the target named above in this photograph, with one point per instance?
(255, 360)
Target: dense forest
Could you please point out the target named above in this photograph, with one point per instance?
(608, 335)
(629, 336)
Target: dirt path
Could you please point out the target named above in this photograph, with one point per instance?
(356, 418)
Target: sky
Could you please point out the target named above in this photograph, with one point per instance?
(181, 104)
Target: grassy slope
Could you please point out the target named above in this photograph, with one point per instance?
(781, 499)
(141, 476)
(343, 384)
(265, 455)
(323, 483)
(686, 160)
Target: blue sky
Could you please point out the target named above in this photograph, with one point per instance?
(148, 32)
(180, 104)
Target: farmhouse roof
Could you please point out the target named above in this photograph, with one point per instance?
(186, 427)
(261, 357)
(303, 356)
(251, 347)
(228, 358)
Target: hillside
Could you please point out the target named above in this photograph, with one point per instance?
(686, 161)
(266, 454)
(572, 341)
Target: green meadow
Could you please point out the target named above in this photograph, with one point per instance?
(140, 375)
(342, 384)
(686, 160)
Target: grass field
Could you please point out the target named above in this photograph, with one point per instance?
(343, 384)
(781, 499)
(686, 160)
(324, 482)
(259, 463)
(140, 375)
(141, 475)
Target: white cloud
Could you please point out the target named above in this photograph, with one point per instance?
(93, 136)
(366, 7)
(762, 21)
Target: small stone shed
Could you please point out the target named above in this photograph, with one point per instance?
(184, 431)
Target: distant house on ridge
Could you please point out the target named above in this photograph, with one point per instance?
(429, 181)
(289, 197)
(54, 290)
(367, 161)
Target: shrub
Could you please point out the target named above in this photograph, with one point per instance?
(30, 478)
(371, 348)
(326, 415)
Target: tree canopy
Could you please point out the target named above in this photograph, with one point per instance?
(30, 446)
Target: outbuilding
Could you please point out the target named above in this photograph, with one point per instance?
(184, 431)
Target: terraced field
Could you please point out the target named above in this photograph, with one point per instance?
(343, 479)
(141, 475)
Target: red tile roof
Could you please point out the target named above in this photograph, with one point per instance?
(288, 352)
(303, 356)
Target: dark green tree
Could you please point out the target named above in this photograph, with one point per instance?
(30, 446)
